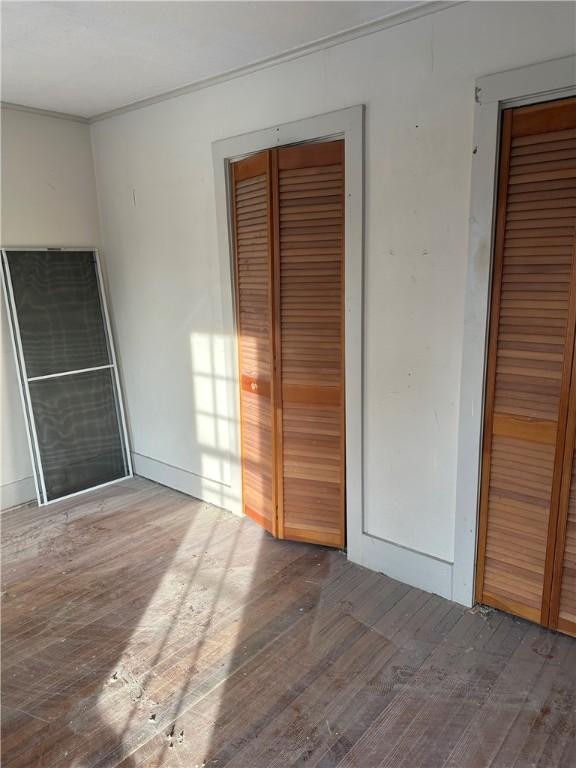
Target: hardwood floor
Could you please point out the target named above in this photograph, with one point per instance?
(143, 628)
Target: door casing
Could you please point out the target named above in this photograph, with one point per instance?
(537, 83)
(347, 124)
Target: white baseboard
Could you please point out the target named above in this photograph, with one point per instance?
(414, 568)
(16, 493)
(185, 481)
(417, 569)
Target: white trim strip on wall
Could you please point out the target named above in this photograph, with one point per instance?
(329, 41)
(183, 480)
(44, 112)
(17, 492)
(363, 30)
(408, 565)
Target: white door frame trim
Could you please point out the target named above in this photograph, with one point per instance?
(527, 85)
(349, 125)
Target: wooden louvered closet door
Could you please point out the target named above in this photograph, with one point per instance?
(310, 323)
(252, 218)
(289, 236)
(529, 361)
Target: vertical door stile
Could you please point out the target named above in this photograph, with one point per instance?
(506, 135)
(343, 531)
(252, 227)
(276, 443)
(277, 343)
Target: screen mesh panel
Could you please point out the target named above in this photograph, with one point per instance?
(67, 370)
(59, 310)
(78, 432)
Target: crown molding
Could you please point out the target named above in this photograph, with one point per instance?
(45, 112)
(424, 8)
(363, 30)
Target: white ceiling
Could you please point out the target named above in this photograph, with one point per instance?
(86, 58)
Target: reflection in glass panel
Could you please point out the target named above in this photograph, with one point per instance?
(79, 432)
(59, 310)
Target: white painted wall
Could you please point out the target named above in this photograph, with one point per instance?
(156, 197)
(48, 199)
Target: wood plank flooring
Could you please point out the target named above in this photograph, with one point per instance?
(142, 628)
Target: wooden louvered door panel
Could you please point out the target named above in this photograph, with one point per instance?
(252, 216)
(529, 359)
(309, 253)
(288, 217)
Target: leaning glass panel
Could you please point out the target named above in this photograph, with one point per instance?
(79, 431)
(59, 310)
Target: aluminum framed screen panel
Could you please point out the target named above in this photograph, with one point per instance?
(67, 370)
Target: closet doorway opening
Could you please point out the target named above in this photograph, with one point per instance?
(298, 385)
(526, 562)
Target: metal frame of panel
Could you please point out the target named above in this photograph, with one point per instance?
(24, 379)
